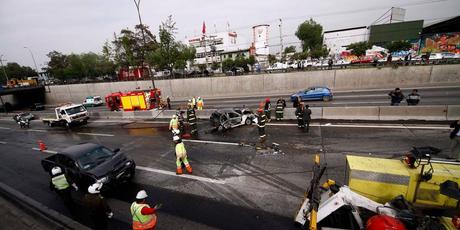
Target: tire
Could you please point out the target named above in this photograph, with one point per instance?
(326, 98)
(248, 121)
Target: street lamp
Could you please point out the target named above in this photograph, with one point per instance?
(33, 58)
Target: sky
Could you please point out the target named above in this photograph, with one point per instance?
(76, 26)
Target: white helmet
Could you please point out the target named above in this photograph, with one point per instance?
(95, 188)
(174, 116)
(56, 170)
(141, 195)
(176, 138)
(175, 131)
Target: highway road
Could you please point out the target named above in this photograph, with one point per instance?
(233, 186)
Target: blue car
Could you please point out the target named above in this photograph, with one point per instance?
(313, 93)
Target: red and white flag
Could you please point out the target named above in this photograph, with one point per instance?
(203, 30)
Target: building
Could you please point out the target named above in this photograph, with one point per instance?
(441, 37)
(260, 46)
(338, 40)
(209, 47)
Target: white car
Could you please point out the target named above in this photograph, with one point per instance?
(93, 101)
(277, 67)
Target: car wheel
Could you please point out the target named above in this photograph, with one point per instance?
(326, 98)
(248, 121)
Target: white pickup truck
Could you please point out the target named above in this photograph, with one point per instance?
(68, 115)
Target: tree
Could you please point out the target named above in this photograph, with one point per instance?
(169, 53)
(271, 59)
(359, 48)
(14, 70)
(310, 34)
(227, 64)
(398, 46)
(289, 49)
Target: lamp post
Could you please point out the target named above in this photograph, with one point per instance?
(33, 58)
(3, 67)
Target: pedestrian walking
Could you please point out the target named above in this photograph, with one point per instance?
(200, 103)
(455, 140)
(299, 113)
(396, 97)
(261, 120)
(280, 105)
(306, 118)
(62, 186)
(413, 98)
(168, 102)
(144, 217)
(329, 63)
(98, 208)
(267, 109)
(181, 156)
(191, 118)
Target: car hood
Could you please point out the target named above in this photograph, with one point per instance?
(109, 165)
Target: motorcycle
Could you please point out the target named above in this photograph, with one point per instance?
(23, 123)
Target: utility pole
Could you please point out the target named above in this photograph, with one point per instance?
(3, 67)
(33, 58)
(281, 39)
(137, 3)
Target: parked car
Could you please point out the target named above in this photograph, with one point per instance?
(88, 162)
(235, 71)
(93, 101)
(25, 116)
(314, 93)
(341, 62)
(230, 118)
(37, 107)
(277, 67)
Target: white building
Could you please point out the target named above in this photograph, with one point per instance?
(338, 40)
(209, 47)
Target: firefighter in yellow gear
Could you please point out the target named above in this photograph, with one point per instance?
(174, 124)
(181, 156)
(144, 217)
(200, 103)
(193, 102)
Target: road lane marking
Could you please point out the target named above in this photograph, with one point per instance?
(37, 130)
(4, 128)
(369, 126)
(204, 179)
(212, 142)
(3, 143)
(45, 151)
(97, 134)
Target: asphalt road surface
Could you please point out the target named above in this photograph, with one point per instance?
(233, 186)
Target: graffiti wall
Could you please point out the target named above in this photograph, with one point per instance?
(444, 42)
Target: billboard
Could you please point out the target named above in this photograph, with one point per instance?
(384, 33)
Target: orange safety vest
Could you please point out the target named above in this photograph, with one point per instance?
(142, 222)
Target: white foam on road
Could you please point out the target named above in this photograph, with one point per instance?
(169, 173)
(97, 134)
(37, 130)
(368, 126)
(45, 151)
(4, 128)
(3, 143)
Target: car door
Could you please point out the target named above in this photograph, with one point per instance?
(308, 94)
(70, 168)
(317, 94)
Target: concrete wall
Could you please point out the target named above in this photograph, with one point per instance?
(283, 83)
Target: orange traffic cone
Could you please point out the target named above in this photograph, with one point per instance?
(41, 145)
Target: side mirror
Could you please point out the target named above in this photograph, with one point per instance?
(116, 150)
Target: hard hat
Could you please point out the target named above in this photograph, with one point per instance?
(189, 100)
(267, 99)
(56, 170)
(174, 116)
(95, 188)
(176, 138)
(141, 195)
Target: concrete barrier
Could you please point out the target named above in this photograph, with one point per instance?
(433, 113)
(289, 113)
(453, 112)
(282, 83)
(351, 113)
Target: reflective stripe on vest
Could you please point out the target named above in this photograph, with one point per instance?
(141, 221)
(60, 182)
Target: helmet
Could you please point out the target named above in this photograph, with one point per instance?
(176, 138)
(95, 188)
(141, 195)
(56, 170)
(267, 99)
(174, 116)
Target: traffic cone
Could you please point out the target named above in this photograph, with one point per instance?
(41, 145)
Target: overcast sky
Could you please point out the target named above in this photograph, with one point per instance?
(75, 26)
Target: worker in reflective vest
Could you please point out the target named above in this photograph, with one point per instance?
(61, 185)
(199, 103)
(194, 102)
(144, 217)
(191, 118)
(181, 156)
(174, 124)
(280, 105)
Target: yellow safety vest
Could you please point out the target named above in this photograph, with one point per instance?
(180, 150)
(141, 221)
(60, 182)
(173, 124)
